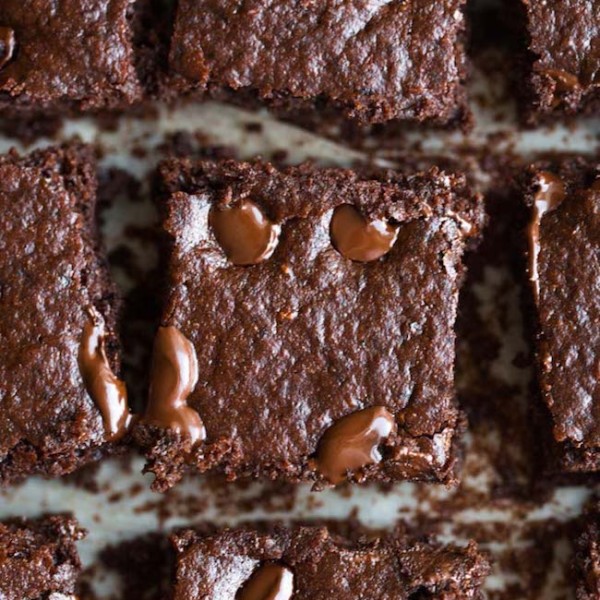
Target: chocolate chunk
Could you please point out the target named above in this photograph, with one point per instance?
(244, 232)
(353, 442)
(7, 45)
(564, 81)
(358, 239)
(269, 582)
(174, 376)
(105, 388)
(549, 196)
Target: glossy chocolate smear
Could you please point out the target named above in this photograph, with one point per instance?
(244, 232)
(564, 81)
(353, 442)
(358, 239)
(549, 196)
(7, 45)
(269, 582)
(173, 377)
(106, 390)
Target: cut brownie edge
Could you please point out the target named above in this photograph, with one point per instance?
(396, 565)
(557, 60)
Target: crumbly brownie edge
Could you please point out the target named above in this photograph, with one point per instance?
(59, 533)
(468, 568)
(166, 452)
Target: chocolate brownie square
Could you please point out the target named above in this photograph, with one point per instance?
(562, 63)
(564, 268)
(67, 53)
(311, 563)
(61, 403)
(308, 333)
(368, 62)
(586, 561)
(38, 558)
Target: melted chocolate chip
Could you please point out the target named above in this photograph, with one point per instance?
(174, 376)
(106, 390)
(244, 232)
(564, 81)
(353, 442)
(7, 45)
(269, 582)
(549, 196)
(358, 239)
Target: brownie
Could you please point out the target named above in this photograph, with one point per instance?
(562, 62)
(564, 268)
(67, 54)
(308, 331)
(61, 404)
(366, 62)
(586, 561)
(38, 558)
(311, 563)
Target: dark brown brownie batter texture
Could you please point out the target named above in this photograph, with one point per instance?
(308, 331)
(67, 54)
(38, 558)
(563, 39)
(61, 403)
(312, 564)
(564, 268)
(371, 62)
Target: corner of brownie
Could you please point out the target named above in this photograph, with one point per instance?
(560, 59)
(80, 55)
(38, 557)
